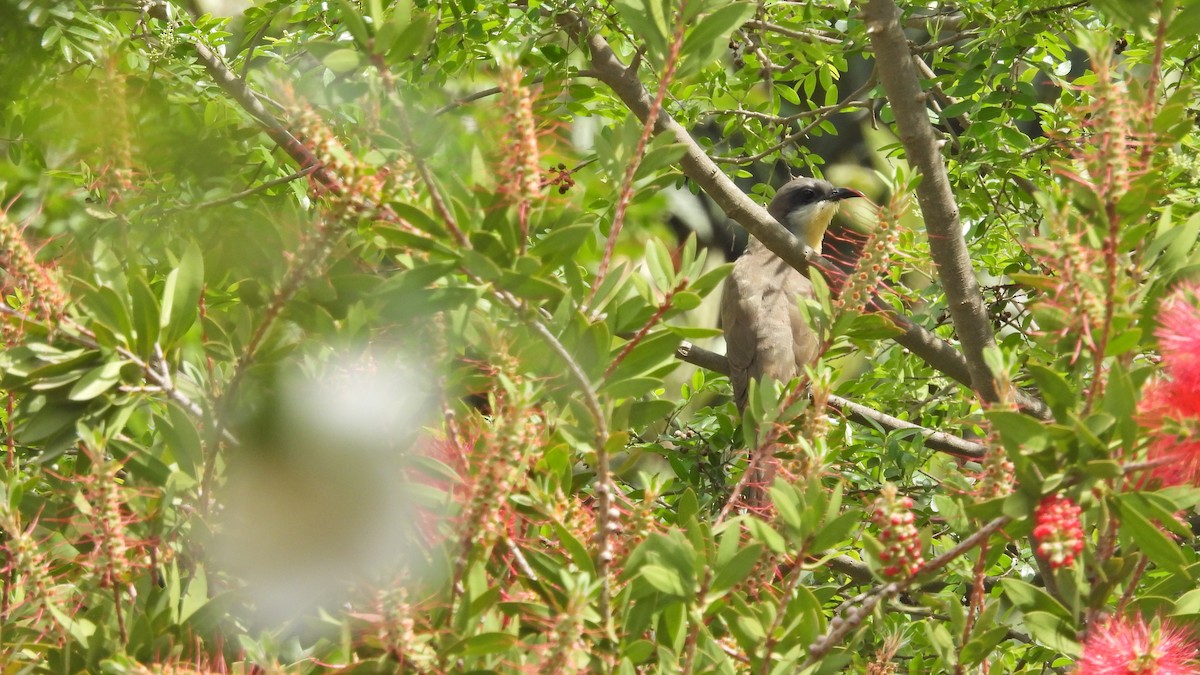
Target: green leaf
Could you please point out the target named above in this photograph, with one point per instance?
(1053, 631)
(1019, 431)
(982, 644)
(111, 311)
(196, 595)
(1149, 539)
(1123, 341)
(181, 296)
(787, 502)
(183, 439)
(662, 268)
(481, 266)
(686, 507)
(578, 552)
(1170, 248)
(415, 38)
(343, 60)
(764, 533)
(97, 381)
(647, 20)
(632, 387)
(704, 43)
(737, 569)
(663, 579)
(354, 23)
(1029, 598)
(146, 317)
(1130, 14)
(50, 420)
(659, 156)
(1060, 395)
(835, 531)
(1188, 603)
(710, 279)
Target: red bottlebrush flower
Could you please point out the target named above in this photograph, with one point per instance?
(1124, 646)
(1179, 333)
(1170, 408)
(893, 515)
(1057, 530)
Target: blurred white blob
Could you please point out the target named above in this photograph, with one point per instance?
(223, 8)
(320, 500)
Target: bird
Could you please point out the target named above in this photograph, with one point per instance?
(765, 332)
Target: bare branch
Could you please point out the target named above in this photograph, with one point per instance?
(699, 167)
(238, 196)
(854, 612)
(241, 92)
(902, 84)
(857, 413)
(822, 113)
(159, 377)
(809, 35)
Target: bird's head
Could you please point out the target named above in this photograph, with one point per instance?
(806, 205)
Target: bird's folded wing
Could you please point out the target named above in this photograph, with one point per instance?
(765, 332)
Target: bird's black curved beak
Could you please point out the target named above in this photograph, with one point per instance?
(839, 194)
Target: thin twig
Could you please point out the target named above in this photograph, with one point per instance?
(855, 412)
(810, 35)
(823, 114)
(625, 193)
(902, 84)
(80, 335)
(949, 40)
(1058, 8)
(853, 614)
(492, 91)
(238, 196)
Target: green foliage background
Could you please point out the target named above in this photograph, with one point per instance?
(411, 203)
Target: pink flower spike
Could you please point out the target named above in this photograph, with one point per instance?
(1179, 333)
(1129, 646)
(1170, 408)
(1057, 530)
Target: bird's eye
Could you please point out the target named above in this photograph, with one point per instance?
(805, 195)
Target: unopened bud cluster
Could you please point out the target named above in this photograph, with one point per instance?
(354, 186)
(998, 477)
(397, 629)
(31, 569)
(523, 156)
(871, 266)
(109, 525)
(1057, 530)
(901, 556)
(560, 177)
(45, 299)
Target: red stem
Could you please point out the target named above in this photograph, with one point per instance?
(650, 323)
(626, 193)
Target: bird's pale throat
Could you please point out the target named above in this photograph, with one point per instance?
(811, 222)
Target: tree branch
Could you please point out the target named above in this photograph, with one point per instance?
(806, 35)
(700, 168)
(857, 413)
(855, 611)
(160, 378)
(246, 98)
(248, 192)
(902, 85)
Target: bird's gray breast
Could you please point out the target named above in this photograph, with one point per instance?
(765, 333)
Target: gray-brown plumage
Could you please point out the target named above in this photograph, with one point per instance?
(765, 333)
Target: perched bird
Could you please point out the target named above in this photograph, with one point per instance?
(765, 333)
